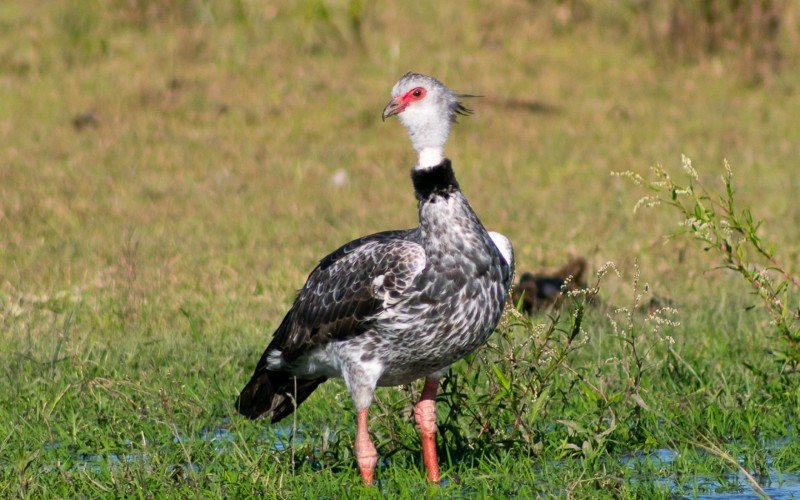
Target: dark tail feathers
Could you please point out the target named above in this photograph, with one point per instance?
(275, 393)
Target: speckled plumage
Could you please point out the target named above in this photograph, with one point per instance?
(395, 306)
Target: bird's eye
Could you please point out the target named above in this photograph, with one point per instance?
(414, 94)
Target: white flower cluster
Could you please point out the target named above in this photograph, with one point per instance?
(702, 229)
(728, 170)
(636, 178)
(659, 317)
(686, 163)
(605, 268)
(647, 202)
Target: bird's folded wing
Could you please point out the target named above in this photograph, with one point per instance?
(347, 290)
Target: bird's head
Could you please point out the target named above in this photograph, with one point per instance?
(427, 109)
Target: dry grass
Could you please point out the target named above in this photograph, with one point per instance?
(215, 138)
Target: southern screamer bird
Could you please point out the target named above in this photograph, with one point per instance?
(395, 306)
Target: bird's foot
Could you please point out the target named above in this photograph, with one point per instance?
(366, 454)
(367, 459)
(429, 457)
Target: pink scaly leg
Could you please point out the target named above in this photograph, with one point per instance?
(425, 414)
(366, 454)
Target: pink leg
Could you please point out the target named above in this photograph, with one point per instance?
(425, 414)
(366, 454)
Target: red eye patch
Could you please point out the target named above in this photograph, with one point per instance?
(415, 94)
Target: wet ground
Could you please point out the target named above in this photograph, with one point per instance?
(654, 466)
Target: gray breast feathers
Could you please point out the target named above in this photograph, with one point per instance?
(347, 290)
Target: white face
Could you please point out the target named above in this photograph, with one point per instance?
(425, 107)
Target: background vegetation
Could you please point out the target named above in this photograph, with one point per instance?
(171, 171)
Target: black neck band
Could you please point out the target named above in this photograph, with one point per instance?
(439, 180)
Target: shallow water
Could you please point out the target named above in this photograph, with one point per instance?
(731, 486)
(728, 486)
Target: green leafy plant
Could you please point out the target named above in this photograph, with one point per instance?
(732, 233)
(520, 362)
(614, 387)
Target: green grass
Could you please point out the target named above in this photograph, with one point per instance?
(145, 262)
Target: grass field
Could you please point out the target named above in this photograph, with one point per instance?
(148, 249)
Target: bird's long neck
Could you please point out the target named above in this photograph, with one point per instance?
(430, 157)
(434, 181)
(443, 209)
(448, 225)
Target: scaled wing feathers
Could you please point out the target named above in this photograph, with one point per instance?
(347, 290)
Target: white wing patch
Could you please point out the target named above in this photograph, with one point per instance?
(274, 360)
(503, 244)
